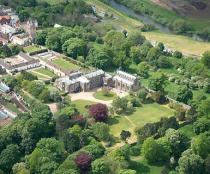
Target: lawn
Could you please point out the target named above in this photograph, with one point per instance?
(52, 1)
(45, 71)
(146, 114)
(141, 166)
(31, 48)
(12, 107)
(100, 95)
(64, 64)
(81, 105)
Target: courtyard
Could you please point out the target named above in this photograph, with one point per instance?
(64, 64)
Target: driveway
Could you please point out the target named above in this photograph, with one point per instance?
(89, 96)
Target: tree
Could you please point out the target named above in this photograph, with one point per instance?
(206, 59)
(178, 141)
(204, 107)
(125, 135)
(135, 54)
(101, 131)
(180, 26)
(184, 95)
(190, 163)
(120, 105)
(207, 164)
(99, 166)
(72, 138)
(41, 37)
(158, 82)
(152, 151)
(177, 54)
(160, 46)
(53, 41)
(99, 58)
(153, 56)
(74, 47)
(201, 125)
(83, 161)
(164, 62)
(9, 156)
(200, 145)
(143, 69)
(99, 112)
(135, 38)
(20, 168)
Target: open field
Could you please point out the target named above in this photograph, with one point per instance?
(64, 64)
(31, 48)
(146, 114)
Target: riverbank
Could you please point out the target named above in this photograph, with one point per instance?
(187, 45)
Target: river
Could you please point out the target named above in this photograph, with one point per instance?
(142, 18)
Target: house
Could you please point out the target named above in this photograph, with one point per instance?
(20, 39)
(7, 30)
(5, 19)
(4, 88)
(78, 81)
(125, 81)
(19, 63)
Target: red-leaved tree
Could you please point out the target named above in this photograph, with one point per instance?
(99, 112)
(83, 161)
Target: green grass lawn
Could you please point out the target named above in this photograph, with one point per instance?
(12, 107)
(100, 95)
(31, 48)
(64, 64)
(52, 1)
(146, 114)
(40, 76)
(45, 72)
(141, 166)
(81, 105)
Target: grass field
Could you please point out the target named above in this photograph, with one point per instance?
(141, 166)
(64, 64)
(45, 72)
(31, 48)
(81, 105)
(100, 95)
(146, 114)
(52, 1)
(12, 107)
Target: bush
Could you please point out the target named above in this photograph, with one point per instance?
(99, 112)
(83, 161)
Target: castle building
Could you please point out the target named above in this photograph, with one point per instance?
(125, 81)
(77, 81)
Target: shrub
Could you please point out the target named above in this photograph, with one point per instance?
(83, 161)
(99, 112)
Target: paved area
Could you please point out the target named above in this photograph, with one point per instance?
(89, 96)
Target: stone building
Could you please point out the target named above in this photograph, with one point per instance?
(125, 81)
(19, 63)
(78, 81)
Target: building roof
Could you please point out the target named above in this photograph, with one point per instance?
(94, 74)
(4, 87)
(125, 74)
(29, 61)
